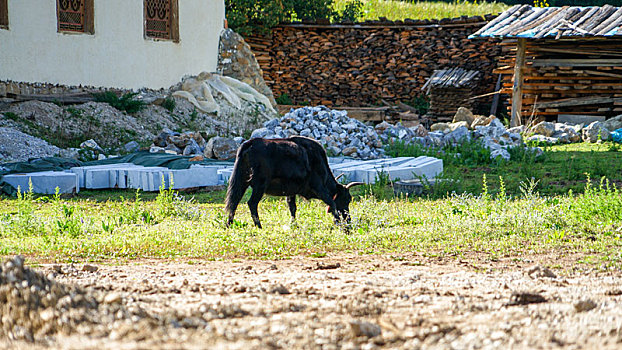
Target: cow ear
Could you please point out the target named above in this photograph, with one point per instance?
(352, 184)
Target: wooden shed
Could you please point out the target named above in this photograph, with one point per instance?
(560, 63)
(449, 89)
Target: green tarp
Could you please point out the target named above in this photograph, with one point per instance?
(144, 158)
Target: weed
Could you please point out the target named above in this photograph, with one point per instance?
(284, 99)
(169, 104)
(421, 103)
(124, 103)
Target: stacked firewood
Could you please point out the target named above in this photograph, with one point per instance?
(563, 78)
(450, 89)
(366, 64)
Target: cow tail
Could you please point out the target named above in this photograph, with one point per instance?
(238, 181)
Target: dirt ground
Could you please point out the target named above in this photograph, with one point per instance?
(350, 302)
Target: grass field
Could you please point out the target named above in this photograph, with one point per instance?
(528, 210)
(400, 10)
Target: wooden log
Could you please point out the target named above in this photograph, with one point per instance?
(517, 90)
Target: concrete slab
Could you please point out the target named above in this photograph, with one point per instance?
(147, 178)
(81, 171)
(45, 182)
(224, 175)
(196, 176)
(405, 168)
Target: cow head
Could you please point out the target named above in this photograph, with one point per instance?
(342, 200)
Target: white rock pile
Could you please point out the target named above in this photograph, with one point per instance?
(465, 127)
(338, 133)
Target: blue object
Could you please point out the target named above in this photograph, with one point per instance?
(616, 135)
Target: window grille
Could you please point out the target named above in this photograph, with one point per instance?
(4, 15)
(75, 16)
(161, 19)
(71, 15)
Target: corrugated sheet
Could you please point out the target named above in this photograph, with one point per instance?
(524, 21)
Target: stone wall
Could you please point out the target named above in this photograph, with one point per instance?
(21, 88)
(362, 64)
(236, 60)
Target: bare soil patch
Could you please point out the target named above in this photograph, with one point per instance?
(341, 302)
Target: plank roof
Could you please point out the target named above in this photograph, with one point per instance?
(525, 21)
(451, 78)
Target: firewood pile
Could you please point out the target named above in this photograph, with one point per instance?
(364, 64)
(567, 78)
(449, 89)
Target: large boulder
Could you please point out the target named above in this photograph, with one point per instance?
(442, 127)
(461, 134)
(614, 123)
(481, 120)
(544, 128)
(464, 115)
(595, 132)
(221, 148)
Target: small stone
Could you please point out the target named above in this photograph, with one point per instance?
(280, 289)
(112, 298)
(540, 271)
(89, 268)
(584, 305)
(131, 146)
(524, 298)
(349, 151)
(366, 329)
(156, 149)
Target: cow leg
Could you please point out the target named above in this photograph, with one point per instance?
(291, 202)
(253, 202)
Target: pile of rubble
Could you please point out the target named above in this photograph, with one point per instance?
(465, 127)
(552, 133)
(35, 306)
(193, 144)
(338, 133)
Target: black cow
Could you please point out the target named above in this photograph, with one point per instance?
(286, 167)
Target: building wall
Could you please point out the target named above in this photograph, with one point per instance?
(117, 55)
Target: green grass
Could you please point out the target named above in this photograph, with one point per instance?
(494, 221)
(400, 10)
(560, 169)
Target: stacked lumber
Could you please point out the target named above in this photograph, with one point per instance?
(450, 89)
(567, 77)
(363, 64)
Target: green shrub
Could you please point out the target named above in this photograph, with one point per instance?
(258, 16)
(353, 12)
(284, 99)
(124, 103)
(169, 104)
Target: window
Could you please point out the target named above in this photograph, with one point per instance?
(75, 16)
(161, 19)
(4, 15)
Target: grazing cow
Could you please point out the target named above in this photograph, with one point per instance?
(286, 167)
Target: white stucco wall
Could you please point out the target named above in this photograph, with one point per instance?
(117, 55)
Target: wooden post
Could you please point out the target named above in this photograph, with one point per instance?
(517, 89)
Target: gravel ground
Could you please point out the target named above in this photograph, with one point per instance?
(15, 146)
(337, 302)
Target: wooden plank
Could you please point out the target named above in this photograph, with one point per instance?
(576, 62)
(517, 90)
(582, 101)
(495, 99)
